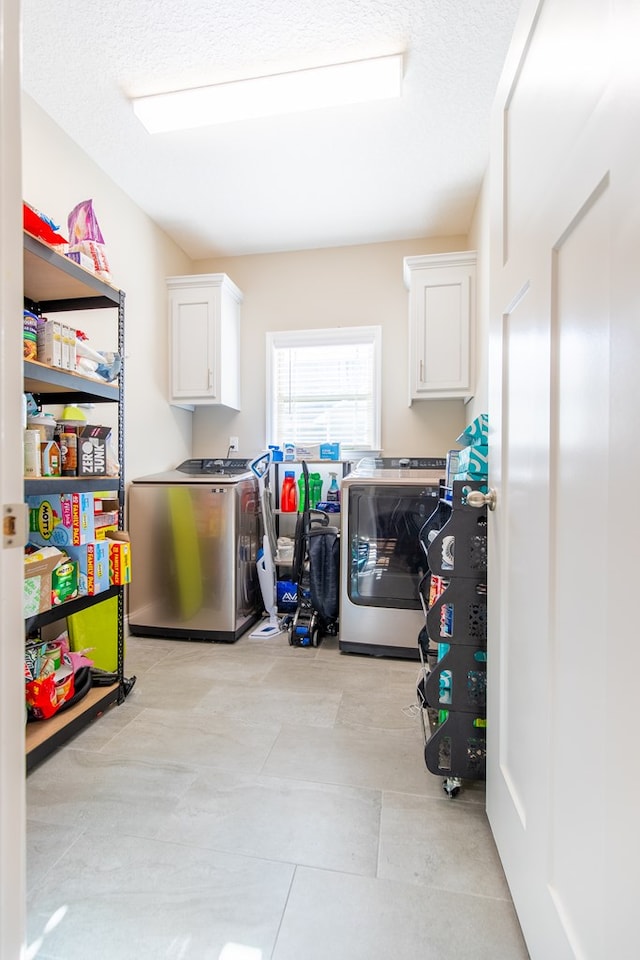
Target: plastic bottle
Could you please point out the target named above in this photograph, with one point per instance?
(315, 490)
(333, 493)
(67, 440)
(301, 497)
(289, 494)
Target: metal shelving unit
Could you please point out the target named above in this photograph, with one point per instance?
(53, 283)
(453, 643)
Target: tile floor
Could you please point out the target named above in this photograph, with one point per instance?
(255, 801)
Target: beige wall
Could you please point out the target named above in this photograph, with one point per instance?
(479, 240)
(57, 175)
(346, 286)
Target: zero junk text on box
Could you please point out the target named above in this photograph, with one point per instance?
(92, 451)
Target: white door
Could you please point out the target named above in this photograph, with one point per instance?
(12, 755)
(564, 403)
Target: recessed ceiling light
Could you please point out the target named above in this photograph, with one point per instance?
(358, 82)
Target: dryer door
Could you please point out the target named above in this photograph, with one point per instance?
(386, 558)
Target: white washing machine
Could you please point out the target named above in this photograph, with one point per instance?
(384, 503)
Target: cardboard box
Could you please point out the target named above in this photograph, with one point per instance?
(64, 582)
(476, 433)
(69, 358)
(37, 585)
(61, 520)
(50, 342)
(329, 451)
(119, 558)
(102, 533)
(92, 451)
(474, 460)
(106, 504)
(32, 458)
(81, 259)
(93, 566)
(307, 451)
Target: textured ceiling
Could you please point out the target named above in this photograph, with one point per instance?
(360, 174)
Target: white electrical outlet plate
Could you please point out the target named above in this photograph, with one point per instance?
(234, 444)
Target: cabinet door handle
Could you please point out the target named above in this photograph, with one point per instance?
(422, 371)
(478, 499)
(210, 378)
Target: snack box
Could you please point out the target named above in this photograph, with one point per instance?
(61, 520)
(92, 451)
(93, 566)
(64, 582)
(50, 342)
(119, 558)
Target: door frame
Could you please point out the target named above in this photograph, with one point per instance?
(12, 709)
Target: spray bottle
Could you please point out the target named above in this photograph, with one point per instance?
(333, 493)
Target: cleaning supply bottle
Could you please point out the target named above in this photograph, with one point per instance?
(289, 494)
(301, 496)
(315, 489)
(333, 493)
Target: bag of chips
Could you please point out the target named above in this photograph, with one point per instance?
(85, 237)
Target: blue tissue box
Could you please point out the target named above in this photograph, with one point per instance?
(474, 460)
(329, 451)
(477, 433)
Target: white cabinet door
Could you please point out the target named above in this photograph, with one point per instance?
(204, 317)
(441, 316)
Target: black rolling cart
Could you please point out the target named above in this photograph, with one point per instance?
(453, 643)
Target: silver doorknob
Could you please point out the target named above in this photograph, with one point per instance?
(478, 499)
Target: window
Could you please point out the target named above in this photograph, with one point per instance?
(324, 386)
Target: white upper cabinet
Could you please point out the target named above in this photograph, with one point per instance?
(442, 290)
(204, 324)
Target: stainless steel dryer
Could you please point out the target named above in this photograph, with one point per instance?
(384, 503)
(195, 533)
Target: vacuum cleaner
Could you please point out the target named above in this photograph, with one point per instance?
(267, 577)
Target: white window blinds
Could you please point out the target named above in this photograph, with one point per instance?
(324, 386)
